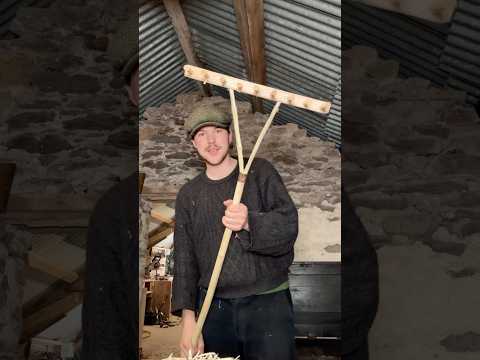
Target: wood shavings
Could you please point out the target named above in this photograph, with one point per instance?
(205, 356)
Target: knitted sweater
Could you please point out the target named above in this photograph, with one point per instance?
(256, 260)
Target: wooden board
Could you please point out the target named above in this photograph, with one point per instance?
(163, 213)
(41, 263)
(155, 239)
(47, 218)
(49, 315)
(251, 88)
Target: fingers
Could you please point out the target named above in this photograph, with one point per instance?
(235, 215)
(232, 225)
(184, 349)
(201, 345)
(234, 207)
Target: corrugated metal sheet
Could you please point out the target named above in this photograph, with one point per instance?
(9, 8)
(302, 50)
(334, 120)
(161, 58)
(461, 58)
(417, 45)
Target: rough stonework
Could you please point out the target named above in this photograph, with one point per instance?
(65, 121)
(310, 167)
(411, 156)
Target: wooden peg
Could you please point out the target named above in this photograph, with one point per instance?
(257, 90)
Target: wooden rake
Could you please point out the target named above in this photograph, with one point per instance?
(247, 87)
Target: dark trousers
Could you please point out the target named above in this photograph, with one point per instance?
(254, 327)
(360, 353)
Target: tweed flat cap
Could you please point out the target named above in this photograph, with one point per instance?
(204, 116)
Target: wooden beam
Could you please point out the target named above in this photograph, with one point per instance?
(39, 262)
(39, 202)
(180, 25)
(163, 213)
(49, 315)
(250, 24)
(438, 11)
(55, 292)
(155, 239)
(262, 91)
(47, 218)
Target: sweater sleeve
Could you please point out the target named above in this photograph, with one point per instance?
(186, 274)
(274, 230)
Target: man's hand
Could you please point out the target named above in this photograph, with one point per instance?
(236, 216)
(188, 327)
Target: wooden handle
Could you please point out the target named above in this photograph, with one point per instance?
(242, 178)
(212, 285)
(258, 90)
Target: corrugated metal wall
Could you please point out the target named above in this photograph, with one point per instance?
(302, 50)
(415, 44)
(461, 58)
(446, 54)
(161, 57)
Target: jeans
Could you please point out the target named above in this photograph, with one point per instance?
(254, 327)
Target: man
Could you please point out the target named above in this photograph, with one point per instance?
(251, 314)
(359, 284)
(110, 308)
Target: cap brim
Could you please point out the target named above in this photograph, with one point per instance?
(208, 123)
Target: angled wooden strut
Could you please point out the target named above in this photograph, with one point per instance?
(267, 93)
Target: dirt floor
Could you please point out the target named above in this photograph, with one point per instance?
(159, 343)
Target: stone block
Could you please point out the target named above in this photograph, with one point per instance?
(456, 163)
(462, 343)
(24, 120)
(103, 121)
(410, 225)
(382, 71)
(124, 139)
(16, 70)
(57, 81)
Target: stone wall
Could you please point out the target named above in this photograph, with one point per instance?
(411, 164)
(65, 121)
(310, 167)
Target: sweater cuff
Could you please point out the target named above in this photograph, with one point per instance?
(243, 236)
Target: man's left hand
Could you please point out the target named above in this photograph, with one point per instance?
(236, 216)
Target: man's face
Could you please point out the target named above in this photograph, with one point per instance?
(212, 143)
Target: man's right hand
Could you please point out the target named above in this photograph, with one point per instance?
(188, 328)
